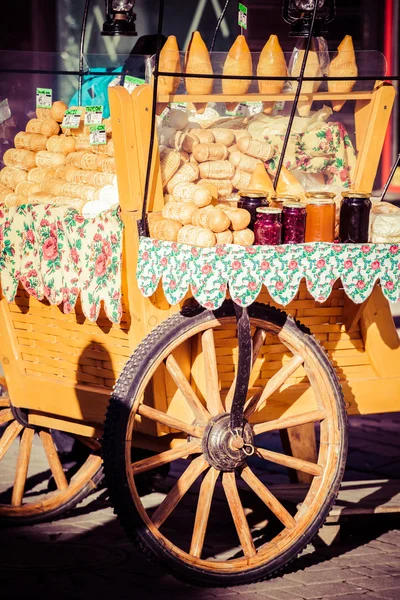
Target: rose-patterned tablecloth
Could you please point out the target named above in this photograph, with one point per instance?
(209, 271)
(56, 254)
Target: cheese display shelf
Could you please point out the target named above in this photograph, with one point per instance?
(211, 398)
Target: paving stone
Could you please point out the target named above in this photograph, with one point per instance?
(377, 584)
(386, 595)
(324, 590)
(328, 576)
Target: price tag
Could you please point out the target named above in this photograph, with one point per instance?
(93, 115)
(242, 17)
(131, 82)
(44, 97)
(98, 135)
(72, 118)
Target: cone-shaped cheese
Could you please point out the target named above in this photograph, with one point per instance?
(260, 180)
(238, 62)
(271, 64)
(288, 185)
(343, 65)
(313, 69)
(170, 62)
(198, 61)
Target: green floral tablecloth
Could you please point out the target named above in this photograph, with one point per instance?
(209, 271)
(57, 254)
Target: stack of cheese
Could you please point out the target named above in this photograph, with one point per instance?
(53, 166)
(189, 217)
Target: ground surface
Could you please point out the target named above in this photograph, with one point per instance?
(87, 555)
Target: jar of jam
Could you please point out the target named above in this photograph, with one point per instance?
(321, 216)
(268, 227)
(278, 201)
(294, 217)
(251, 200)
(354, 217)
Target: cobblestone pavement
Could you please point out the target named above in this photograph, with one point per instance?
(87, 555)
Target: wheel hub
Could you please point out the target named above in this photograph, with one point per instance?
(224, 448)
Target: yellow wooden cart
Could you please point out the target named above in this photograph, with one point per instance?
(176, 369)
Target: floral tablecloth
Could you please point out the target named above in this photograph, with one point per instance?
(56, 254)
(209, 271)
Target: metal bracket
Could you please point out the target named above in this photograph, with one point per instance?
(244, 366)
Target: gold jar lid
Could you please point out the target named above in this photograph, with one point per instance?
(319, 201)
(294, 205)
(287, 198)
(353, 194)
(253, 194)
(320, 195)
(269, 210)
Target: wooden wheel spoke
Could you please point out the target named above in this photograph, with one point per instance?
(268, 498)
(200, 412)
(12, 431)
(4, 402)
(289, 461)
(53, 460)
(259, 401)
(213, 397)
(6, 416)
(165, 457)
(239, 518)
(310, 417)
(21, 470)
(186, 480)
(161, 417)
(203, 512)
(258, 342)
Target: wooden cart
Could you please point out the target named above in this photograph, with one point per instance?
(175, 393)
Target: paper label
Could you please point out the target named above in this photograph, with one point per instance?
(242, 16)
(72, 118)
(131, 82)
(98, 135)
(5, 112)
(44, 97)
(93, 115)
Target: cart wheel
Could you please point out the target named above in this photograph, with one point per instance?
(25, 494)
(217, 522)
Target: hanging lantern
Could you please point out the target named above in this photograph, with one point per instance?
(120, 18)
(299, 14)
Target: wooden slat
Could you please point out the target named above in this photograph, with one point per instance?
(165, 457)
(283, 97)
(21, 470)
(6, 416)
(213, 398)
(185, 481)
(289, 461)
(161, 417)
(268, 498)
(238, 515)
(203, 512)
(53, 460)
(10, 434)
(199, 411)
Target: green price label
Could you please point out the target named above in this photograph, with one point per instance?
(93, 115)
(131, 82)
(98, 135)
(242, 17)
(44, 97)
(72, 118)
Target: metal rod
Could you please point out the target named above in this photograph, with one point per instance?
(270, 78)
(296, 98)
(143, 226)
(244, 366)
(389, 180)
(81, 51)
(221, 18)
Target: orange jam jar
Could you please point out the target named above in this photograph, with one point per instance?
(321, 217)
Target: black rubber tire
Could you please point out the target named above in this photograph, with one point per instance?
(114, 445)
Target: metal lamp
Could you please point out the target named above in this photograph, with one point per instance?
(120, 18)
(298, 13)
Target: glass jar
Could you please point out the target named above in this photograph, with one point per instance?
(321, 217)
(354, 217)
(268, 226)
(251, 200)
(278, 201)
(294, 217)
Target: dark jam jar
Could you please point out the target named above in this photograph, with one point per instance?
(268, 227)
(294, 217)
(251, 200)
(279, 201)
(354, 217)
